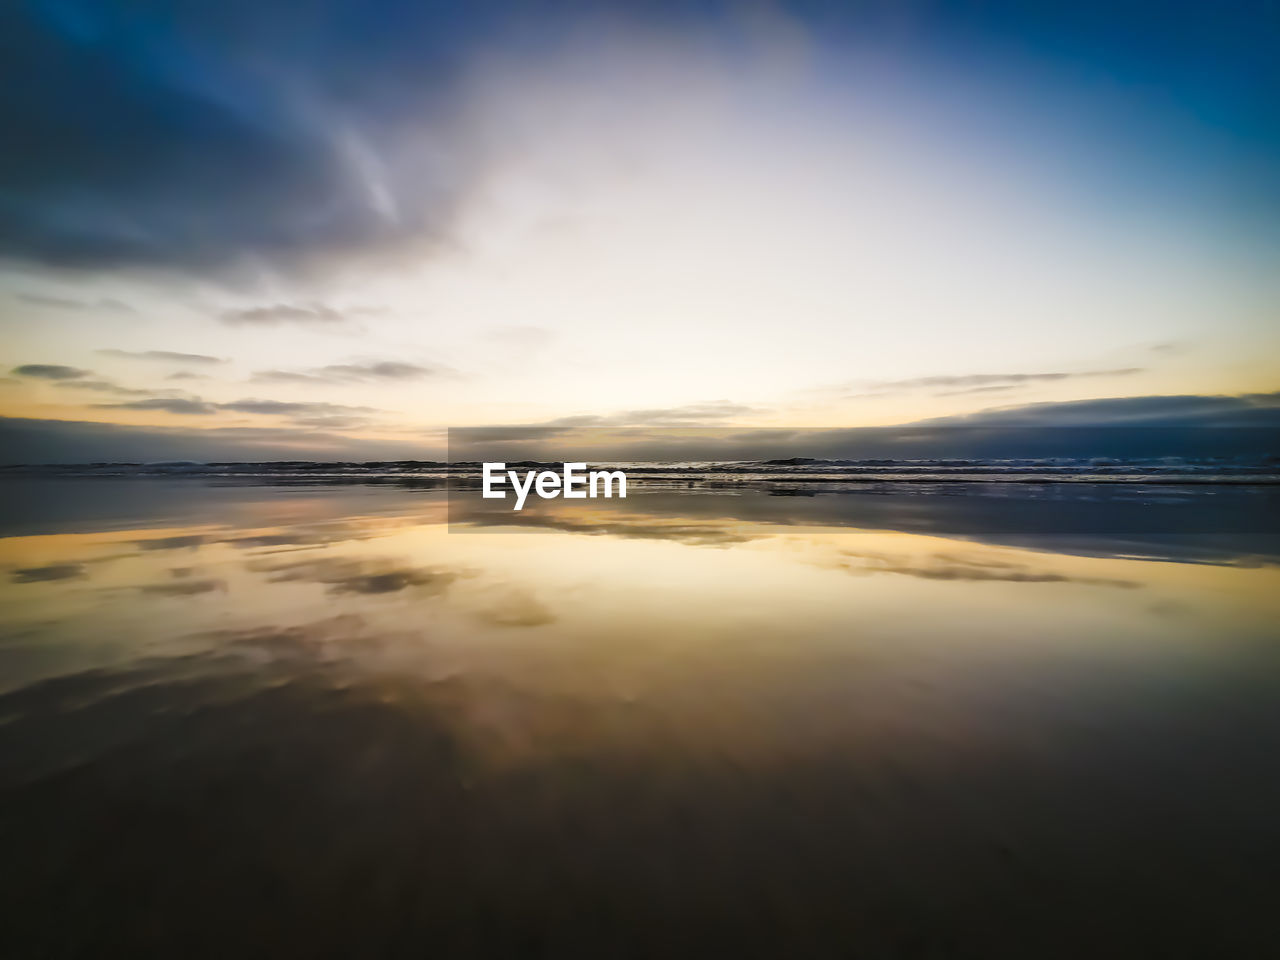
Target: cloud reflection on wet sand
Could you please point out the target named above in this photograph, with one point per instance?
(366, 732)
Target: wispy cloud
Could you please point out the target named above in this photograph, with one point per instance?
(283, 313)
(195, 406)
(69, 303)
(180, 405)
(694, 414)
(373, 371)
(168, 356)
(985, 382)
(102, 386)
(289, 409)
(972, 568)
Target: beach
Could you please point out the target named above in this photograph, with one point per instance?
(350, 718)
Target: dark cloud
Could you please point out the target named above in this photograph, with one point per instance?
(50, 371)
(183, 587)
(1246, 426)
(29, 440)
(280, 313)
(55, 571)
(1247, 410)
(182, 405)
(163, 355)
(181, 542)
(197, 406)
(218, 134)
(290, 408)
(331, 422)
(365, 372)
(202, 135)
(1194, 426)
(186, 375)
(341, 575)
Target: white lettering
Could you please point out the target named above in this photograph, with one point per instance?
(570, 478)
(521, 492)
(608, 477)
(575, 483)
(492, 475)
(548, 485)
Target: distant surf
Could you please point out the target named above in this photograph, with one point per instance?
(1163, 470)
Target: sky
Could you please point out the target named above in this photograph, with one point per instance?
(337, 228)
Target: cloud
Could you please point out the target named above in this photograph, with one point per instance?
(969, 568)
(162, 355)
(580, 427)
(186, 375)
(30, 440)
(1153, 426)
(181, 542)
(56, 571)
(50, 371)
(1246, 426)
(378, 370)
(980, 382)
(67, 303)
(287, 376)
(994, 388)
(1186, 411)
(331, 422)
(280, 313)
(290, 408)
(183, 588)
(176, 148)
(181, 405)
(366, 372)
(372, 576)
(197, 406)
(102, 386)
(690, 415)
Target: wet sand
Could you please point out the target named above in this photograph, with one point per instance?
(349, 721)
